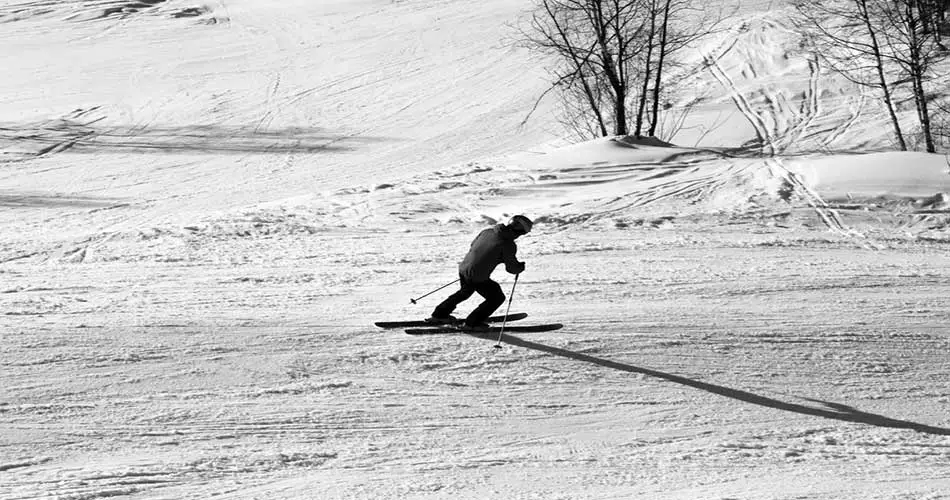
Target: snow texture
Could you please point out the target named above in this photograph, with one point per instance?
(205, 206)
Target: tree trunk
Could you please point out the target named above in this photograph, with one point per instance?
(655, 114)
(882, 78)
(610, 69)
(647, 63)
(579, 63)
(924, 114)
(594, 105)
(917, 70)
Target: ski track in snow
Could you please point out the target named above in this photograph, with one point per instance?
(157, 380)
(791, 102)
(190, 268)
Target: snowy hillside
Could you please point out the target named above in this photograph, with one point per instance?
(205, 206)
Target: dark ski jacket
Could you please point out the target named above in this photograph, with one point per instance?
(491, 247)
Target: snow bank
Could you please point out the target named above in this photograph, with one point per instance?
(901, 174)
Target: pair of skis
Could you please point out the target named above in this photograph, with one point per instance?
(425, 328)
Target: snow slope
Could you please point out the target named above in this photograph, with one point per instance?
(206, 205)
(264, 103)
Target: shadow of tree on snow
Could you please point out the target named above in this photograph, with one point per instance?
(40, 200)
(824, 409)
(34, 140)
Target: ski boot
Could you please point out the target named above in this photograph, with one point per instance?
(448, 320)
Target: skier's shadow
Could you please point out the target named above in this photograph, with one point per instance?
(834, 411)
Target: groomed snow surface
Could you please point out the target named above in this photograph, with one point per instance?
(205, 206)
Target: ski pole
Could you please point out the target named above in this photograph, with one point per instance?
(511, 296)
(433, 291)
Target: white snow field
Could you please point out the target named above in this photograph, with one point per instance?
(205, 206)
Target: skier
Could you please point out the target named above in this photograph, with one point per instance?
(491, 247)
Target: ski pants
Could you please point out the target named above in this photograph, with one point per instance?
(489, 290)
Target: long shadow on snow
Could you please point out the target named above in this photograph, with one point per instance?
(33, 140)
(835, 411)
(39, 200)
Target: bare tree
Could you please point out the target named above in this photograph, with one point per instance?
(941, 126)
(611, 56)
(593, 43)
(848, 40)
(916, 50)
(885, 44)
(650, 43)
(571, 72)
(933, 16)
(681, 24)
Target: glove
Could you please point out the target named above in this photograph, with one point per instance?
(514, 267)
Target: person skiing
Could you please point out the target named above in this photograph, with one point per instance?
(491, 247)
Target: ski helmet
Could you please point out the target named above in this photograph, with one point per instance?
(521, 224)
